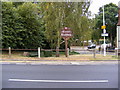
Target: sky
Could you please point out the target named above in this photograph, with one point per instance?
(96, 4)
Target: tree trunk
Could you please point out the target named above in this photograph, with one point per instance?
(112, 42)
(58, 46)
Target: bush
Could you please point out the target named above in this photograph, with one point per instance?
(74, 53)
(33, 54)
(47, 53)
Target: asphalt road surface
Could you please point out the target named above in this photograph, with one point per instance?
(60, 76)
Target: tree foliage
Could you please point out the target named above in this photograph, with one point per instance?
(66, 14)
(22, 27)
(30, 25)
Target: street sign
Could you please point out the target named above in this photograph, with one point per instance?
(66, 33)
(104, 34)
(103, 27)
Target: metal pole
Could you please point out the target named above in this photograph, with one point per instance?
(104, 31)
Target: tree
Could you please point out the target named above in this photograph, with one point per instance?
(65, 14)
(8, 18)
(22, 26)
(32, 32)
(39, 24)
(111, 11)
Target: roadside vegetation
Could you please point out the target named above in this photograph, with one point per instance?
(29, 25)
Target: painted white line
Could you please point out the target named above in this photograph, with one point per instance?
(79, 81)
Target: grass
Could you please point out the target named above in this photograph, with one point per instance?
(107, 57)
(73, 56)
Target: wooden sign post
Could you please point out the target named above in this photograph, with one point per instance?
(66, 34)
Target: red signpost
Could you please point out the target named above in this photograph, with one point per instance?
(66, 34)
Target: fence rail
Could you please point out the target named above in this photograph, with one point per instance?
(33, 49)
(54, 50)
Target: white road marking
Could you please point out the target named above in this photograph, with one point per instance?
(77, 81)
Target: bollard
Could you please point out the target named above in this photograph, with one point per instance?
(9, 51)
(38, 52)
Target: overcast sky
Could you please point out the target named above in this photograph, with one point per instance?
(96, 4)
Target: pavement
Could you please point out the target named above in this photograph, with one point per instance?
(58, 62)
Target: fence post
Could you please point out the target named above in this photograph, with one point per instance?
(57, 52)
(38, 52)
(68, 51)
(9, 51)
(94, 53)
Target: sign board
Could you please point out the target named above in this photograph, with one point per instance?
(104, 34)
(66, 33)
(103, 27)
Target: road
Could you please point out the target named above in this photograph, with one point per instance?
(60, 76)
(85, 50)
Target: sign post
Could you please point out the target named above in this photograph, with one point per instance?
(66, 45)
(66, 33)
(104, 34)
